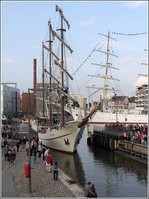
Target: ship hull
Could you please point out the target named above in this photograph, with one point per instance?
(101, 119)
(65, 139)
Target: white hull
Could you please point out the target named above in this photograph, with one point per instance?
(65, 139)
(100, 119)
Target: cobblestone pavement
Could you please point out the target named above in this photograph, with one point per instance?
(42, 183)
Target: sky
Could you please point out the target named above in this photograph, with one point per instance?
(24, 27)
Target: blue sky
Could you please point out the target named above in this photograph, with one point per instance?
(24, 26)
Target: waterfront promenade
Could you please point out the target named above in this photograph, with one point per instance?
(42, 184)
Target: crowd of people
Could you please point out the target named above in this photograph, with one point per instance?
(133, 132)
(9, 153)
(36, 150)
(136, 133)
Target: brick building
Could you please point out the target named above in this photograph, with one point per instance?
(24, 103)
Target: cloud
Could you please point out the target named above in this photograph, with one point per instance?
(87, 22)
(135, 4)
(9, 60)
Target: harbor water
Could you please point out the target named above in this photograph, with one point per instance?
(112, 174)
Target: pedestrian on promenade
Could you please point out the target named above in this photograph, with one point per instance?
(10, 154)
(13, 155)
(5, 142)
(49, 161)
(46, 153)
(24, 142)
(87, 190)
(43, 152)
(93, 190)
(33, 145)
(55, 171)
(33, 149)
(35, 155)
(39, 150)
(27, 148)
(6, 152)
(18, 145)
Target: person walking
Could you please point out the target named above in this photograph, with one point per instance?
(55, 171)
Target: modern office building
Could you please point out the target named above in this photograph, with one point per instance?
(10, 99)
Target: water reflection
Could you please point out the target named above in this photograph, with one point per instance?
(120, 162)
(71, 165)
(113, 175)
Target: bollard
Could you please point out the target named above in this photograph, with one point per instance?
(26, 170)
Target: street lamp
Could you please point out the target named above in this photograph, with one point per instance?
(29, 141)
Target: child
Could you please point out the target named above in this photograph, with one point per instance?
(55, 171)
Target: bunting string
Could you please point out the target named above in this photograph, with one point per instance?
(130, 34)
(86, 59)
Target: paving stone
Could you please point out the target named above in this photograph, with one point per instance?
(42, 182)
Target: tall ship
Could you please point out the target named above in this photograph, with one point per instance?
(57, 115)
(103, 114)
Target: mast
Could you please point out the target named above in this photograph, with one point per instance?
(107, 66)
(105, 81)
(62, 62)
(50, 71)
(62, 74)
(43, 100)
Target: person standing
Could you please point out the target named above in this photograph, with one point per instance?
(43, 152)
(49, 161)
(18, 145)
(55, 171)
(24, 142)
(27, 148)
(46, 153)
(6, 152)
(39, 150)
(13, 158)
(35, 155)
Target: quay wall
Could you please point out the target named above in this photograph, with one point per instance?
(117, 144)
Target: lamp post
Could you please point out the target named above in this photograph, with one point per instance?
(29, 140)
